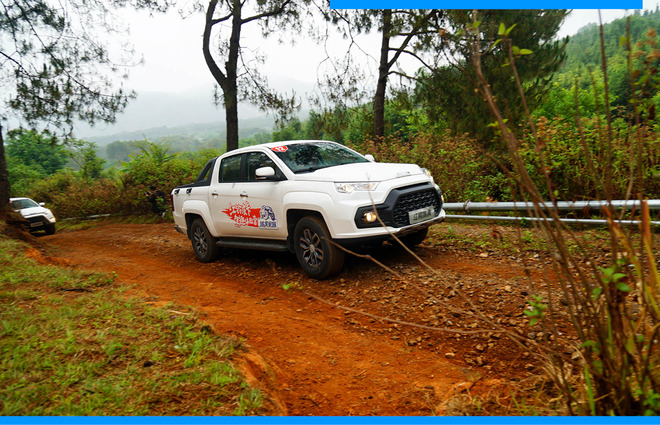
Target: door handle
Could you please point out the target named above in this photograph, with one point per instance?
(214, 194)
(244, 195)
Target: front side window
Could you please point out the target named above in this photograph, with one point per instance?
(256, 160)
(307, 157)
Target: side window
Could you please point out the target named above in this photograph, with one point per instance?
(230, 169)
(204, 178)
(257, 160)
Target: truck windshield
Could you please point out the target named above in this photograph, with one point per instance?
(19, 204)
(308, 157)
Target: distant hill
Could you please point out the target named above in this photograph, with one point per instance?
(192, 114)
(201, 132)
(583, 48)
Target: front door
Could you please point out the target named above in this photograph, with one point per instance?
(242, 204)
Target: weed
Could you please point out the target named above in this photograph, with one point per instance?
(95, 352)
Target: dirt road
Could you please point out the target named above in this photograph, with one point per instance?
(324, 360)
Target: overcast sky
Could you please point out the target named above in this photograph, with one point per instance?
(173, 62)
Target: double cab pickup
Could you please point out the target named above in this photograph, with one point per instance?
(312, 198)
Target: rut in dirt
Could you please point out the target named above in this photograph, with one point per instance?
(318, 360)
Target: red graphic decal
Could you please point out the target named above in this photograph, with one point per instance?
(243, 215)
(280, 148)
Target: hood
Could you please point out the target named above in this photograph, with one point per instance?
(362, 172)
(27, 212)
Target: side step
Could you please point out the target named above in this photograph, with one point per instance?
(260, 244)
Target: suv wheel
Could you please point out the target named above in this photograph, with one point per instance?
(317, 255)
(203, 242)
(50, 228)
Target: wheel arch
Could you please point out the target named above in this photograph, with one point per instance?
(190, 217)
(293, 216)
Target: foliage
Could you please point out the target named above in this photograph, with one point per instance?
(72, 343)
(448, 92)
(41, 151)
(460, 168)
(70, 194)
(55, 70)
(613, 309)
(568, 164)
(84, 155)
(231, 65)
(631, 48)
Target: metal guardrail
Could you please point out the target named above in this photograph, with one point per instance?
(577, 206)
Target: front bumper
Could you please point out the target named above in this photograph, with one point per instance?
(402, 207)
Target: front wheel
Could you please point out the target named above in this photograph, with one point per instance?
(203, 242)
(317, 255)
(50, 228)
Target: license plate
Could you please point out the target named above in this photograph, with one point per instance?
(36, 224)
(421, 214)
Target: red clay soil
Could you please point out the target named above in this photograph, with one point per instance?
(314, 358)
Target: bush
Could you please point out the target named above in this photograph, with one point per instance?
(70, 195)
(461, 168)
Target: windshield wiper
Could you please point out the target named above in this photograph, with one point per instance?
(310, 169)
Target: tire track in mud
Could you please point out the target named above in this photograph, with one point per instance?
(313, 363)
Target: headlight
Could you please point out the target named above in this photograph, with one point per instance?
(353, 187)
(427, 173)
(49, 216)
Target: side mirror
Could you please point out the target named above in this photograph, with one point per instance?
(42, 204)
(369, 157)
(266, 173)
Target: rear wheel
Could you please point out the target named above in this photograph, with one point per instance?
(203, 242)
(317, 255)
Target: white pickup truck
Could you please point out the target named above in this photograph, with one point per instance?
(308, 197)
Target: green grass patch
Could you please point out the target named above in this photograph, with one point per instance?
(71, 343)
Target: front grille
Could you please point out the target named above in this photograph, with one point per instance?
(35, 218)
(414, 201)
(400, 201)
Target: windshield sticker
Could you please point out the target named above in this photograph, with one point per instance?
(244, 215)
(280, 148)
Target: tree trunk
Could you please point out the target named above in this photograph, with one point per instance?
(231, 67)
(227, 82)
(383, 70)
(4, 176)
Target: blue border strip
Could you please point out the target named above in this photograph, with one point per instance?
(331, 420)
(483, 4)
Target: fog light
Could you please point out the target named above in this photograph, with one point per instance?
(370, 217)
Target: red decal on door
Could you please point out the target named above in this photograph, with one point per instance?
(243, 215)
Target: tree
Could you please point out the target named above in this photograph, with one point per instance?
(83, 154)
(449, 90)
(248, 84)
(41, 151)
(54, 68)
(402, 32)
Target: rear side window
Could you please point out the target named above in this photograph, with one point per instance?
(204, 178)
(230, 169)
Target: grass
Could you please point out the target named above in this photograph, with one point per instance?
(512, 239)
(71, 343)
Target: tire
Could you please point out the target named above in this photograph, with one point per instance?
(49, 228)
(318, 257)
(411, 240)
(203, 243)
